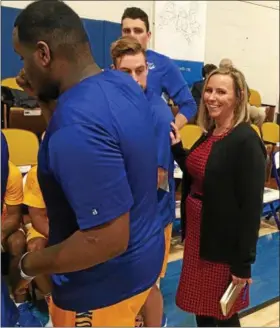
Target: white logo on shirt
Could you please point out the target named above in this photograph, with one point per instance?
(94, 212)
(165, 97)
(151, 65)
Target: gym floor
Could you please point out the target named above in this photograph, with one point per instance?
(264, 292)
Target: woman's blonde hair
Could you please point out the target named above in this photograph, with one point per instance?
(241, 113)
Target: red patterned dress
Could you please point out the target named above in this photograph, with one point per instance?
(202, 283)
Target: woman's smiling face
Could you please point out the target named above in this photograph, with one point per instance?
(219, 96)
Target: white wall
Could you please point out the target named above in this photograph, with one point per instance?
(266, 3)
(248, 33)
(101, 10)
(245, 31)
(180, 29)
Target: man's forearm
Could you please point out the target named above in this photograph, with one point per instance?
(42, 228)
(9, 226)
(78, 252)
(180, 120)
(41, 225)
(162, 177)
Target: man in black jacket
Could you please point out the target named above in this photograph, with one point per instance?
(198, 86)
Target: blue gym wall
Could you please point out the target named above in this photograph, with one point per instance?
(101, 34)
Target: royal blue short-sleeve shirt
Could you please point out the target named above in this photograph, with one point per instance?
(162, 118)
(98, 160)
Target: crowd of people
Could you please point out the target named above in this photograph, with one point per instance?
(90, 226)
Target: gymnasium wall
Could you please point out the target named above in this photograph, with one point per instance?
(101, 20)
(248, 33)
(190, 32)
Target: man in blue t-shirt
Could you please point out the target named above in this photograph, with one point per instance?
(97, 170)
(164, 76)
(128, 56)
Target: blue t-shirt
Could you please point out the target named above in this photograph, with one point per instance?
(4, 167)
(9, 311)
(165, 77)
(98, 161)
(162, 117)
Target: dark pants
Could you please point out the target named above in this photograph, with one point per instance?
(203, 321)
(5, 263)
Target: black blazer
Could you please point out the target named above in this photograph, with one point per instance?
(232, 198)
(197, 91)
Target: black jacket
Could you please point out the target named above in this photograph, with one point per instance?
(232, 198)
(197, 91)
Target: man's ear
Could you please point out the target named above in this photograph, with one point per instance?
(112, 66)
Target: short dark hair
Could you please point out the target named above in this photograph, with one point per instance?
(51, 21)
(207, 69)
(137, 13)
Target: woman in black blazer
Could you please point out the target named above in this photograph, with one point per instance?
(222, 197)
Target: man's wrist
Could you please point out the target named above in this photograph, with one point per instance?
(180, 120)
(3, 238)
(23, 268)
(3, 241)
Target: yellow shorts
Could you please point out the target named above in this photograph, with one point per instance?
(32, 233)
(122, 314)
(167, 236)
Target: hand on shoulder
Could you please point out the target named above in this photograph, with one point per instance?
(174, 134)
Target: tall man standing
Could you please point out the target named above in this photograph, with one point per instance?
(129, 56)
(164, 76)
(97, 170)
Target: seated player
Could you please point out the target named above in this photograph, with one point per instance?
(13, 244)
(9, 311)
(37, 226)
(128, 56)
(37, 229)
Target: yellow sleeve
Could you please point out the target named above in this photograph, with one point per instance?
(32, 193)
(14, 191)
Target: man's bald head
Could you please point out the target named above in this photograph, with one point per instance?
(225, 63)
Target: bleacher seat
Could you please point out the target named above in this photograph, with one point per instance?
(23, 146)
(10, 82)
(190, 133)
(255, 98)
(270, 132)
(256, 128)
